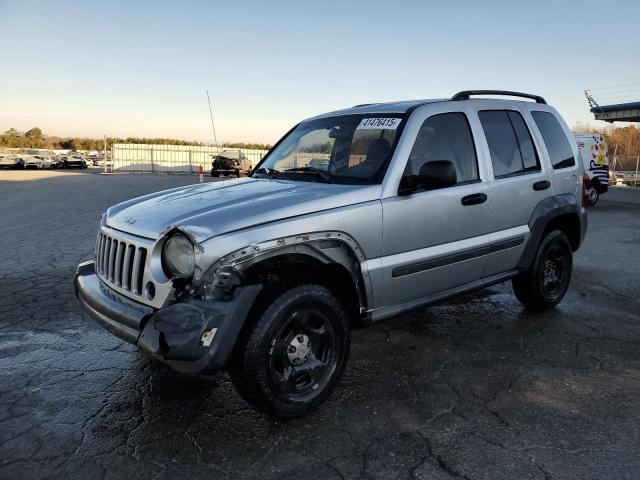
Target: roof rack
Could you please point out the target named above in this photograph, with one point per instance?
(464, 95)
(364, 105)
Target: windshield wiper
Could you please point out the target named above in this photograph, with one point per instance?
(267, 171)
(326, 176)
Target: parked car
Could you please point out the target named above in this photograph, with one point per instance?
(101, 162)
(54, 162)
(47, 161)
(593, 151)
(319, 163)
(39, 162)
(73, 161)
(226, 163)
(266, 276)
(13, 162)
(97, 160)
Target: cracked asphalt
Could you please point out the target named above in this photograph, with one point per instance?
(474, 388)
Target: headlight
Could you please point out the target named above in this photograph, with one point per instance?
(178, 257)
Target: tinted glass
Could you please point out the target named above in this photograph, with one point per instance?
(510, 144)
(445, 137)
(527, 149)
(555, 140)
(503, 145)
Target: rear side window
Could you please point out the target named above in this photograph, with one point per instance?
(555, 140)
(510, 144)
(446, 136)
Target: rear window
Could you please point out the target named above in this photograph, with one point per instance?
(510, 144)
(555, 139)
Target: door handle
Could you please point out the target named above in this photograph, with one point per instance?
(541, 185)
(473, 199)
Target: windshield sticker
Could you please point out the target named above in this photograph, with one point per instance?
(379, 123)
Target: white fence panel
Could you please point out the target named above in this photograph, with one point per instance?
(156, 158)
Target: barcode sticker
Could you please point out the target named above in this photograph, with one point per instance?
(379, 123)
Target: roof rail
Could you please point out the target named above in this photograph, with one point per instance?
(364, 105)
(464, 95)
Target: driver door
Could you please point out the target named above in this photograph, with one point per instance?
(437, 240)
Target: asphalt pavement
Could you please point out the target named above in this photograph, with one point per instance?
(475, 388)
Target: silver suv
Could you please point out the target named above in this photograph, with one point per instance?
(353, 217)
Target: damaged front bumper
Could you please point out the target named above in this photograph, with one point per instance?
(191, 336)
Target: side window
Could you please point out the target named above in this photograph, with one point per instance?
(555, 140)
(446, 136)
(510, 144)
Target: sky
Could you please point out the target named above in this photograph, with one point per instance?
(142, 68)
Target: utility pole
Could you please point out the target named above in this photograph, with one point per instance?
(215, 139)
(105, 154)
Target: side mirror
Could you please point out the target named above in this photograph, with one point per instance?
(433, 175)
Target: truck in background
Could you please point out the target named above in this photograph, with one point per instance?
(593, 149)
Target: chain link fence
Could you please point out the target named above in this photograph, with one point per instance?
(155, 158)
(625, 170)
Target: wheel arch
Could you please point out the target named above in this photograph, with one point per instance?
(331, 259)
(559, 212)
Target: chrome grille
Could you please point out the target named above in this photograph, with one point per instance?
(120, 263)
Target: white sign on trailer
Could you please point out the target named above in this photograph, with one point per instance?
(593, 149)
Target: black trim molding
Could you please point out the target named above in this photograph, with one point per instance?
(456, 257)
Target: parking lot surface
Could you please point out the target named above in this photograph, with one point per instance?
(474, 388)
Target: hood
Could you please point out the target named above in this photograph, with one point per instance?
(206, 210)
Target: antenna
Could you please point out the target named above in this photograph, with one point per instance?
(215, 139)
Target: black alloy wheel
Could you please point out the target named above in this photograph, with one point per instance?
(293, 352)
(546, 282)
(303, 353)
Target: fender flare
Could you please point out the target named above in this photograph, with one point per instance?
(324, 246)
(545, 211)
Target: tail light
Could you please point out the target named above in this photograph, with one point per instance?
(585, 189)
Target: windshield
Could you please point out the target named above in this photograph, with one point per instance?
(341, 149)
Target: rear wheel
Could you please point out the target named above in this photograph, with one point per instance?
(593, 195)
(544, 285)
(294, 353)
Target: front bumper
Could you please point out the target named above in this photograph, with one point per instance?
(190, 336)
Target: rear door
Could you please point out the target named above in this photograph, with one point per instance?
(438, 239)
(520, 181)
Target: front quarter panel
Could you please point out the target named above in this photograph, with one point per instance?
(361, 222)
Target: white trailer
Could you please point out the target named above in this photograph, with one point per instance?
(593, 150)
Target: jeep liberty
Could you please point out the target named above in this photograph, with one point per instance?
(353, 217)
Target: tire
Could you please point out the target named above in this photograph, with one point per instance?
(593, 195)
(304, 326)
(544, 285)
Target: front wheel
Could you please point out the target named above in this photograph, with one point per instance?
(593, 195)
(294, 353)
(544, 285)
